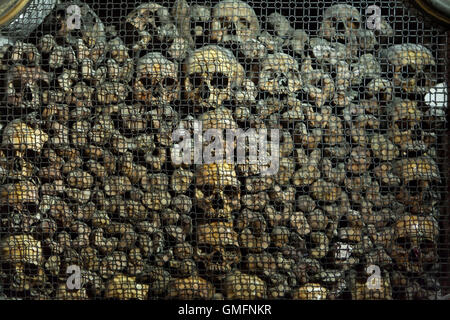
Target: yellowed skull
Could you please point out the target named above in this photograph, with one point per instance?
(190, 288)
(413, 67)
(414, 247)
(233, 21)
(211, 73)
(217, 247)
(404, 126)
(238, 285)
(156, 80)
(22, 257)
(341, 23)
(280, 75)
(217, 190)
(417, 176)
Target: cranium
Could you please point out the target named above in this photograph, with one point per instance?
(23, 85)
(414, 247)
(217, 190)
(21, 137)
(217, 247)
(156, 80)
(233, 21)
(91, 28)
(21, 195)
(405, 125)
(280, 75)
(122, 287)
(253, 235)
(23, 256)
(412, 67)
(318, 85)
(417, 176)
(192, 287)
(310, 291)
(238, 285)
(152, 19)
(211, 73)
(341, 23)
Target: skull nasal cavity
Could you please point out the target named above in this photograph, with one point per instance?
(219, 80)
(217, 202)
(414, 255)
(204, 91)
(408, 72)
(283, 81)
(217, 257)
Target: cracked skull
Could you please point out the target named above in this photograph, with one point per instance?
(212, 72)
(217, 190)
(217, 247)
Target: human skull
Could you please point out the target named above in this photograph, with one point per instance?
(122, 287)
(22, 255)
(310, 291)
(19, 196)
(217, 190)
(280, 75)
(341, 23)
(414, 246)
(413, 67)
(156, 80)
(404, 128)
(152, 19)
(24, 85)
(233, 21)
(238, 285)
(91, 28)
(21, 137)
(189, 288)
(417, 176)
(318, 85)
(211, 72)
(217, 247)
(200, 17)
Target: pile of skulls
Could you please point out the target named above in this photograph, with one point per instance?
(87, 179)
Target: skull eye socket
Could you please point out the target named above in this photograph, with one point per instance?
(148, 83)
(206, 248)
(429, 68)
(168, 82)
(426, 245)
(230, 190)
(207, 190)
(30, 269)
(408, 72)
(230, 249)
(403, 124)
(219, 80)
(293, 73)
(245, 23)
(196, 79)
(354, 24)
(404, 242)
(414, 187)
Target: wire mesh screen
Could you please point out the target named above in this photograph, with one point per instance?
(223, 150)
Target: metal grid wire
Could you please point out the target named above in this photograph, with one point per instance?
(94, 206)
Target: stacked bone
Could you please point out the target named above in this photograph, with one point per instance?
(88, 181)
